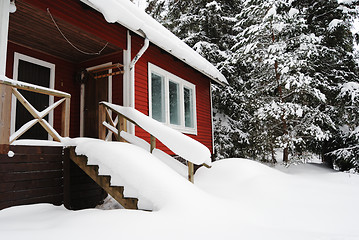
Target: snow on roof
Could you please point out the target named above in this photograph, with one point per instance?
(135, 19)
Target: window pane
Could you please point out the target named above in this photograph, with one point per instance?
(158, 97)
(188, 107)
(174, 103)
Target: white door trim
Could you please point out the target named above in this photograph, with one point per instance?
(4, 31)
(51, 66)
(82, 97)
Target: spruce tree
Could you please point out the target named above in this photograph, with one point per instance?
(274, 48)
(336, 66)
(208, 27)
(288, 63)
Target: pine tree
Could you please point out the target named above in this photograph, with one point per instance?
(286, 61)
(208, 27)
(344, 153)
(337, 68)
(158, 9)
(274, 48)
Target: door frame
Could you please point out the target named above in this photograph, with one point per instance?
(82, 95)
(17, 57)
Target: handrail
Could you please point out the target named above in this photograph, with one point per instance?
(149, 125)
(32, 87)
(38, 116)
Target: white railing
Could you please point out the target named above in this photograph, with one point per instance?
(8, 86)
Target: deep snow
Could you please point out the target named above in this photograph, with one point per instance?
(143, 175)
(235, 199)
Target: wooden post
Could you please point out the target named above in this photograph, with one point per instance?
(102, 118)
(5, 117)
(122, 126)
(5, 91)
(65, 121)
(190, 172)
(153, 143)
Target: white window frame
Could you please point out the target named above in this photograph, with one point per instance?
(182, 83)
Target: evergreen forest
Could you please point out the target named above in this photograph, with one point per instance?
(293, 73)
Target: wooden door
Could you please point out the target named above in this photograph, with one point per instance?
(39, 75)
(96, 90)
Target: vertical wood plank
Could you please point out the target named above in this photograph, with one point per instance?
(122, 126)
(190, 172)
(102, 118)
(153, 143)
(65, 119)
(5, 91)
(5, 114)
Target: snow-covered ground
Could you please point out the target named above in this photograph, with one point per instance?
(235, 199)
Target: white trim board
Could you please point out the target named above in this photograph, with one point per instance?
(51, 66)
(170, 77)
(4, 31)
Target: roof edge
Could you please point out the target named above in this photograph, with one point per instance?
(218, 77)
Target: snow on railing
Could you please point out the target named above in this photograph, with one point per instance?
(188, 148)
(164, 157)
(9, 86)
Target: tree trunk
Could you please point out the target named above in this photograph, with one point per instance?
(285, 155)
(280, 93)
(284, 122)
(274, 161)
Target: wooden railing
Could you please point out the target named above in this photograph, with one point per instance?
(119, 124)
(8, 87)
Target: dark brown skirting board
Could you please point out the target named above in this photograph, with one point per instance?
(36, 174)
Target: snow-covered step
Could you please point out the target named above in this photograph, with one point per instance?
(117, 192)
(143, 175)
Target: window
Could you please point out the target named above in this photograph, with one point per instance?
(158, 97)
(188, 107)
(172, 100)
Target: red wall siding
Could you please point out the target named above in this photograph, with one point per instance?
(164, 60)
(64, 81)
(93, 22)
(87, 19)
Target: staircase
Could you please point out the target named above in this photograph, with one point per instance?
(103, 181)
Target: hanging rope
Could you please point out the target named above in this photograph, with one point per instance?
(63, 35)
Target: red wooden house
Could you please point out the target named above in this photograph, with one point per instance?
(92, 51)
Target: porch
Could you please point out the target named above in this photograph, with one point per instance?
(37, 171)
(61, 49)
(61, 59)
